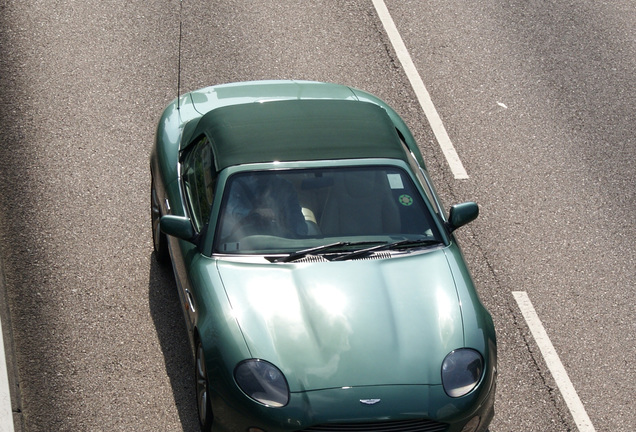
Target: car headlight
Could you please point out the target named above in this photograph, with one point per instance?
(461, 371)
(263, 382)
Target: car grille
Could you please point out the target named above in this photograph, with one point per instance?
(421, 425)
(320, 258)
(312, 259)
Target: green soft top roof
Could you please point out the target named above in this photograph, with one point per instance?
(296, 130)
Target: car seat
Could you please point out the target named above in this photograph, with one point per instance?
(360, 203)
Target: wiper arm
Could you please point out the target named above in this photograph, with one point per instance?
(316, 250)
(398, 245)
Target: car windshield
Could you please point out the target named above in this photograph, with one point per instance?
(291, 210)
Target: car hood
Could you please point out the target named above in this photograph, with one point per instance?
(352, 323)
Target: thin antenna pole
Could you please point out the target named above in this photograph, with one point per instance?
(179, 61)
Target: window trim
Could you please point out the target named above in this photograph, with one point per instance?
(186, 161)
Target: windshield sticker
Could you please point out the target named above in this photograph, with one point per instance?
(405, 200)
(395, 181)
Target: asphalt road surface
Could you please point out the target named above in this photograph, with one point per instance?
(537, 97)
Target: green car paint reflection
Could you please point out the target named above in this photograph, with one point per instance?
(322, 286)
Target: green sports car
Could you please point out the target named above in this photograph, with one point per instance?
(321, 283)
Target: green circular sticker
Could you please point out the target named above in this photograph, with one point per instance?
(405, 200)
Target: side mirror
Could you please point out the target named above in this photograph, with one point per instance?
(177, 226)
(461, 214)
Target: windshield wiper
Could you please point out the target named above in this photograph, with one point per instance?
(318, 250)
(398, 245)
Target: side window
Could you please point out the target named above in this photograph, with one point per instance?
(199, 179)
(426, 185)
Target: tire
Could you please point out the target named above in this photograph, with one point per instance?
(204, 408)
(159, 239)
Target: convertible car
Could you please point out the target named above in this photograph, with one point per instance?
(321, 283)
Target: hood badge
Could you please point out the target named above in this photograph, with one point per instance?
(369, 401)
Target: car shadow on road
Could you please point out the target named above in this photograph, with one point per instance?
(168, 319)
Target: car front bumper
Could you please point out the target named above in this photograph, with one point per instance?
(343, 409)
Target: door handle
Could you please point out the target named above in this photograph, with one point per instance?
(190, 300)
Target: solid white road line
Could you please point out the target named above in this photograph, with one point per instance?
(422, 94)
(554, 363)
(6, 413)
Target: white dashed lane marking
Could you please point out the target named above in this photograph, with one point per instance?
(422, 94)
(555, 366)
(6, 413)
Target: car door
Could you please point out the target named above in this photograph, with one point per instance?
(198, 180)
